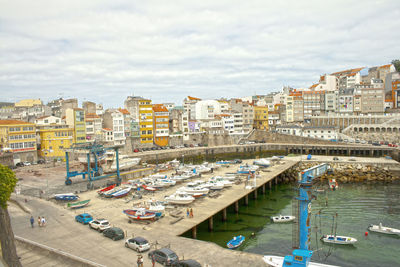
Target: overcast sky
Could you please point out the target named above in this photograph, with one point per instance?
(103, 51)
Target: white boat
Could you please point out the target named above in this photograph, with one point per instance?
(178, 178)
(262, 163)
(180, 198)
(158, 176)
(166, 182)
(155, 206)
(382, 229)
(246, 169)
(222, 180)
(194, 189)
(202, 169)
(281, 218)
(333, 185)
(124, 163)
(212, 185)
(341, 240)
(277, 261)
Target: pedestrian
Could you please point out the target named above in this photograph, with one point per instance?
(141, 261)
(32, 220)
(138, 261)
(39, 221)
(187, 212)
(153, 260)
(191, 213)
(43, 221)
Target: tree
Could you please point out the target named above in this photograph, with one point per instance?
(396, 64)
(7, 185)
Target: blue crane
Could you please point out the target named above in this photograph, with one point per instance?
(301, 255)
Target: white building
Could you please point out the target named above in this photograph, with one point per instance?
(207, 109)
(48, 120)
(238, 122)
(228, 123)
(325, 132)
(113, 119)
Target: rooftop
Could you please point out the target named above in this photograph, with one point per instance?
(14, 122)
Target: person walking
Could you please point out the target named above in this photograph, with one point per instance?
(191, 213)
(32, 220)
(43, 221)
(138, 261)
(187, 212)
(39, 221)
(153, 260)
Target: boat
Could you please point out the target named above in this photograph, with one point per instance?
(110, 193)
(280, 218)
(383, 229)
(195, 195)
(77, 205)
(124, 162)
(66, 196)
(102, 191)
(122, 193)
(222, 180)
(166, 182)
(155, 206)
(213, 185)
(246, 169)
(148, 188)
(262, 163)
(194, 189)
(341, 240)
(277, 261)
(180, 198)
(139, 214)
(333, 184)
(223, 162)
(235, 242)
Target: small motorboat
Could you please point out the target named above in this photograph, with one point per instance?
(281, 219)
(223, 162)
(166, 182)
(341, 240)
(262, 163)
(139, 214)
(109, 193)
(384, 230)
(148, 188)
(277, 261)
(78, 205)
(180, 198)
(66, 196)
(333, 184)
(104, 190)
(235, 242)
(247, 169)
(122, 193)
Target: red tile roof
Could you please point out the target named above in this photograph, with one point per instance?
(107, 129)
(193, 98)
(159, 108)
(124, 111)
(15, 122)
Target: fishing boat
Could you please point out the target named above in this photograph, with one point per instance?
(180, 198)
(213, 185)
(104, 190)
(341, 240)
(122, 193)
(246, 169)
(235, 242)
(155, 206)
(109, 193)
(221, 180)
(166, 182)
(195, 195)
(139, 214)
(223, 162)
(77, 205)
(333, 184)
(194, 189)
(262, 163)
(66, 196)
(384, 230)
(281, 219)
(277, 261)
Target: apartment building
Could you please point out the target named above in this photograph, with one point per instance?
(94, 126)
(314, 103)
(161, 125)
(146, 121)
(48, 120)
(54, 140)
(114, 120)
(75, 119)
(294, 110)
(261, 117)
(19, 136)
(372, 100)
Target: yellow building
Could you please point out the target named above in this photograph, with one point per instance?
(54, 140)
(19, 136)
(28, 103)
(161, 125)
(261, 117)
(75, 118)
(146, 121)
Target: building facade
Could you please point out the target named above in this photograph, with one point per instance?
(146, 122)
(261, 117)
(75, 118)
(161, 125)
(54, 140)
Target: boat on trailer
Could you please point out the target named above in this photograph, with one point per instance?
(340, 240)
(277, 261)
(282, 219)
(383, 229)
(78, 205)
(235, 242)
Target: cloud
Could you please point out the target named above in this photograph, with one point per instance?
(103, 51)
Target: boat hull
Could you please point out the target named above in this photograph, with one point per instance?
(277, 261)
(78, 205)
(339, 240)
(132, 215)
(384, 230)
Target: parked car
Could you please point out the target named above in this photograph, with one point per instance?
(41, 161)
(376, 144)
(136, 150)
(352, 159)
(335, 158)
(386, 143)
(137, 243)
(27, 163)
(19, 164)
(172, 147)
(84, 218)
(370, 142)
(191, 145)
(114, 233)
(164, 256)
(363, 142)
(185, 145)
(186, 263)
(99, 224)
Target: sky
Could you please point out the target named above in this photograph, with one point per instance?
(103, 51)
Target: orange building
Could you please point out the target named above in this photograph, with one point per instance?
(161, 125)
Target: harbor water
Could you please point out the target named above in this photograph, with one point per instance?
(356, 205)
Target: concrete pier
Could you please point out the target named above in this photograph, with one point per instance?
(224, 215)
(246, 200)
(211, 223)
(255, 194)
(237, 206)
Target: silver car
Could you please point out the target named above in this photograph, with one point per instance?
(99, 224)
(137, 243)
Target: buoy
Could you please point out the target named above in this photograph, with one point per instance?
(366, 233)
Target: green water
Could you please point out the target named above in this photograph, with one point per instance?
(357, 206)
